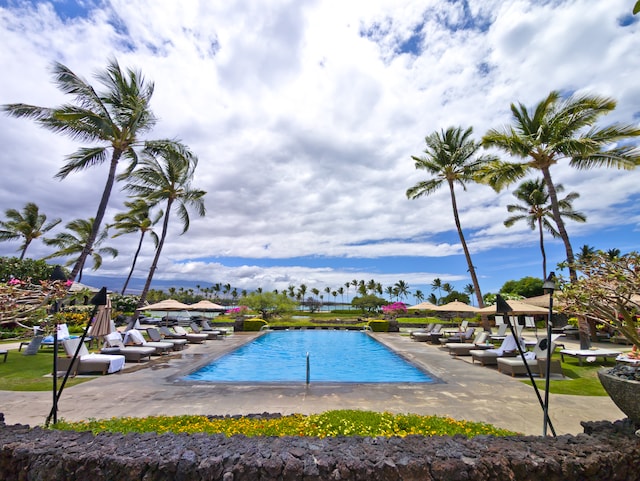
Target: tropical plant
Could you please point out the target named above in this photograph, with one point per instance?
(451, 159)
(536, 211)
(402, 289)
(560, 129)
(72, 244)
(608, 292)
(525, 287)
(269, 304)
(113, 119)
(27, 225)
(137, 219)
(166, 176)
(33, 270)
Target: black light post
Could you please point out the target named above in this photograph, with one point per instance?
(549, 286)
(503, 308)
(56, 275)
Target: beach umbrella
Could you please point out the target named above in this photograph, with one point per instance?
(205, 305)
(427, 306)
(166, 305)
(455, 306)
(102, 324)
(517, 307)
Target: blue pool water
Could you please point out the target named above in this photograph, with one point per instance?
(334, 356)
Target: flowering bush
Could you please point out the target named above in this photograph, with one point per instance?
(21, 299)
(238, 311)
(395, 309)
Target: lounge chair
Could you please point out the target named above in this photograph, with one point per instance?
(515, 365)
(135, 337)
(426, 336)
(155, 336)
(211, 335)
(464, 349)
(421, 332)
(206, 327)
(508, 348)
(32, 346)
(86, 362)
(192, 338)
(466, 336)
(5, 354)
(501, 334)
(131, 353)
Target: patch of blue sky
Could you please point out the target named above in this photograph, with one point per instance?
(627, 20)
(412, 45)
(66, 9)
(465, 21)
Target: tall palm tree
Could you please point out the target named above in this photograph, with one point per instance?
(113, 120)
(468, 289)
(451, 159)
(402, 289)
(613, 254)
(536, 211)
(166, 177)
(419, 296)
(561, 129)
(72, 243)
(137, 219)
(437, 284)
(28, 225)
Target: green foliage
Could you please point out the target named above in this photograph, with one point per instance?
(455, 296)
(269, 303)
(254, 324)
(124, 303)
(525, 287)
(36, 270)
(368, 303)
(327, 424)
(379, 325)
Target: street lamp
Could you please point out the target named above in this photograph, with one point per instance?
(549, 286)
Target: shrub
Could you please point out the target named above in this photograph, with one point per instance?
(254, 324)
(379, 325)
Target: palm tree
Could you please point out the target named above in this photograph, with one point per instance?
(437, 284)
(113, 119)
(468, 289)
(613, 254)
(536, 211)
(29, 224)
(586, 252)
(73, 242)
(451, 159)
(561, 129)
(419, 296)
(166, 177)
(390, 292)
(136, 220)
(402, 289)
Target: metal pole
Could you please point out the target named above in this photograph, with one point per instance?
(308, 369)
(54, 408)
(548, 364)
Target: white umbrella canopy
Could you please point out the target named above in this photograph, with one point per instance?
(517, 307)
(205, 305)
(455, 306)
(166, 305)
(424, 306)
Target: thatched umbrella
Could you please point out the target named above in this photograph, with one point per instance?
(425, 306)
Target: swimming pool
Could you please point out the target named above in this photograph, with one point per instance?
(334, 356)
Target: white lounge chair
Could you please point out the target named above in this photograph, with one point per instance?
(515, 365)
(508, 348)
(135, 337)
(131, 353)
(87, 362)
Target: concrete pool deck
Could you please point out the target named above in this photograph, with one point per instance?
(468, 392)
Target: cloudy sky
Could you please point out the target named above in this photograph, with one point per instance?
(304, 115)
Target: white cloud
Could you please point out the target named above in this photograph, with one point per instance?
(305, 127)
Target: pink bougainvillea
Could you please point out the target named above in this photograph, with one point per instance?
(394, 309)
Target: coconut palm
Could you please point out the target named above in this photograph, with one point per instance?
(419, 296)
(451, 159)
(560, 129)
(536, 211)
(137, 219)
(402, 289)
(28, 225)
(72, 243)
(166, 177)
(113, 120)
(437, 284)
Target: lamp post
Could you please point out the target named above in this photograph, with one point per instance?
(549, 286)
(56, 275)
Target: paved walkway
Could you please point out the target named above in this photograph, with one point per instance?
(468, 392)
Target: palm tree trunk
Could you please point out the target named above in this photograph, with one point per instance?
(133, 264)
(102, 208)
(154, 265)
(583, 324)
(472, 270)
(544, 255)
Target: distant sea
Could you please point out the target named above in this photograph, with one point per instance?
(114, 284)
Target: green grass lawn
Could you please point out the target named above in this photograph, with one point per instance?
(30, 373)
(580, 380)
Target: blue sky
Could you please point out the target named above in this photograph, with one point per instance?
(305, 116)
